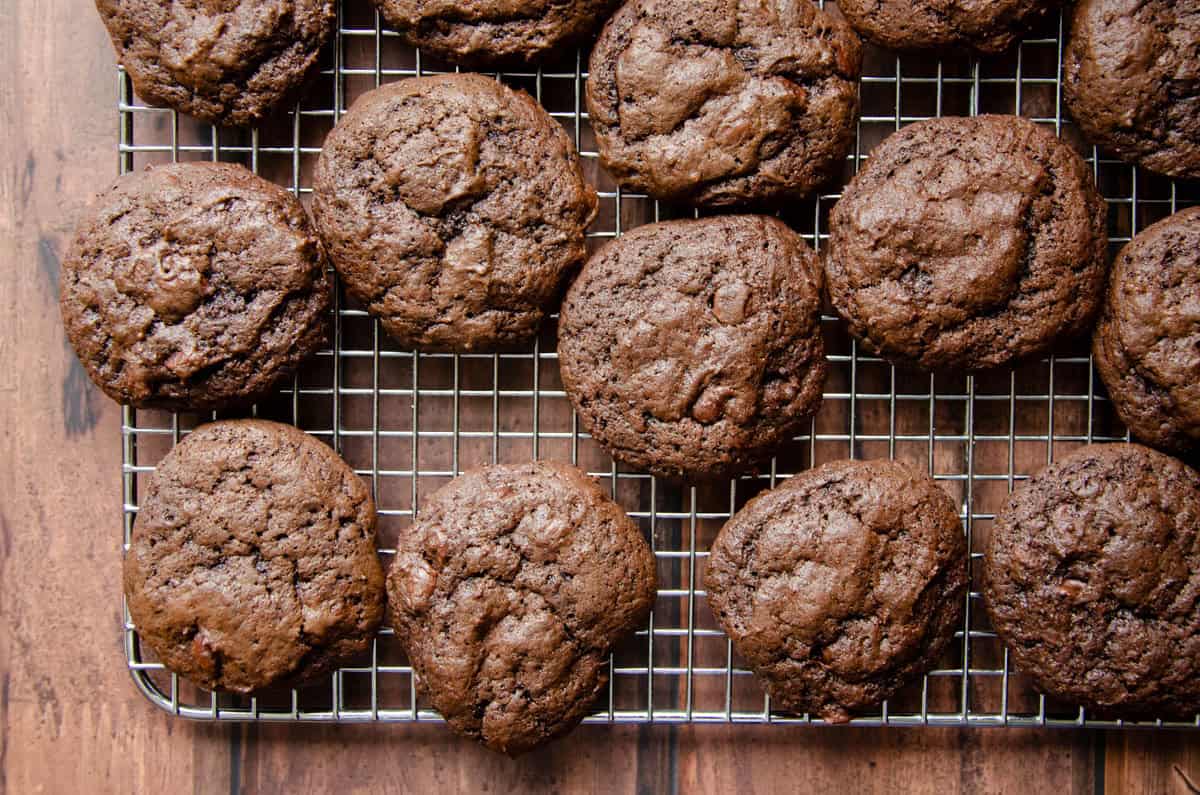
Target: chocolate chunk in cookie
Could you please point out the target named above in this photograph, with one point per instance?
(723, 103)
(194, 286)
(453, 208)
(968, 243)
(252, 561)
(1092, 580)
(841, 585)
(223, 61)
(509, 592)
(693, 349)
(1131, 78)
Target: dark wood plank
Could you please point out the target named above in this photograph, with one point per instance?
(773, 759)
(423, 759)
(746, 759)
(1144, 763)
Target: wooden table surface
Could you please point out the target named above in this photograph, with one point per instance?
(70, 719)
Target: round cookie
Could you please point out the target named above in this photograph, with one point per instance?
(1147, 343)
(453, 208)
(222, 62)
(1131, 78)
(968, 243)
(1091, 580)
(252, 560)
(693, 348)
(194, 286)
(479, 32)
(508, 593)
(841, 585)
(988, 27)
(725, 102)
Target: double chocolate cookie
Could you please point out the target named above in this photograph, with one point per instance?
(1091, 580)
(1147, 343)
(478, 32)
(726, 102)
(987, 27)
(1131, 78)
(693, 348)
(841, 585)
(968, 243)
(252, 561)
(453, 208)
(194, 286)
(508, 593)
(223, 62)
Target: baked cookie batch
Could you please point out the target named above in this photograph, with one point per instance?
(454, 209)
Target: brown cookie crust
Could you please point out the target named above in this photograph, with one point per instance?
(1131, 78)
(493, 32)
(841, 585)
(1147, 343)
(252, 561)
(224, 62)
(693, 348)
(194, 286)
(989, 27)
(726, 102)
(1092, 580)
(508, 593)
(453, 208)
(968, 243)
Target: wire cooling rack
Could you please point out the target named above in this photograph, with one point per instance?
(408, 422)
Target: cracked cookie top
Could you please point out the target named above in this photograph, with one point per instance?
(987, 27)
(1131, 78)
(693, 348)
(724, 102)
(968, 243)
(841, 585)
(252, 560)
(478, 32)
(453, 208)
(1092, 580)
(1147, 343)
(222, 61)
(194, 286)
(508, 593)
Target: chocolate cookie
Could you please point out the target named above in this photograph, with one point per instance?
(508, 593)
(1147, 343)
(1091, 580)
(693, 348)
(453, 207)
(194, 286)
(222, 62)
(841, 585)
(252, 560)
(968, 243)
(1131, 78)
(987, 27)
(725, 102)
(476, 32)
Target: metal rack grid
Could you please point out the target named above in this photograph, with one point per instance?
(407, 422)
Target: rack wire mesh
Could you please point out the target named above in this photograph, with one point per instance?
(407, 421)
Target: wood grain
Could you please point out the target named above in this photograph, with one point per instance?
(1142, 763)
(764, 759)
(70, 720)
